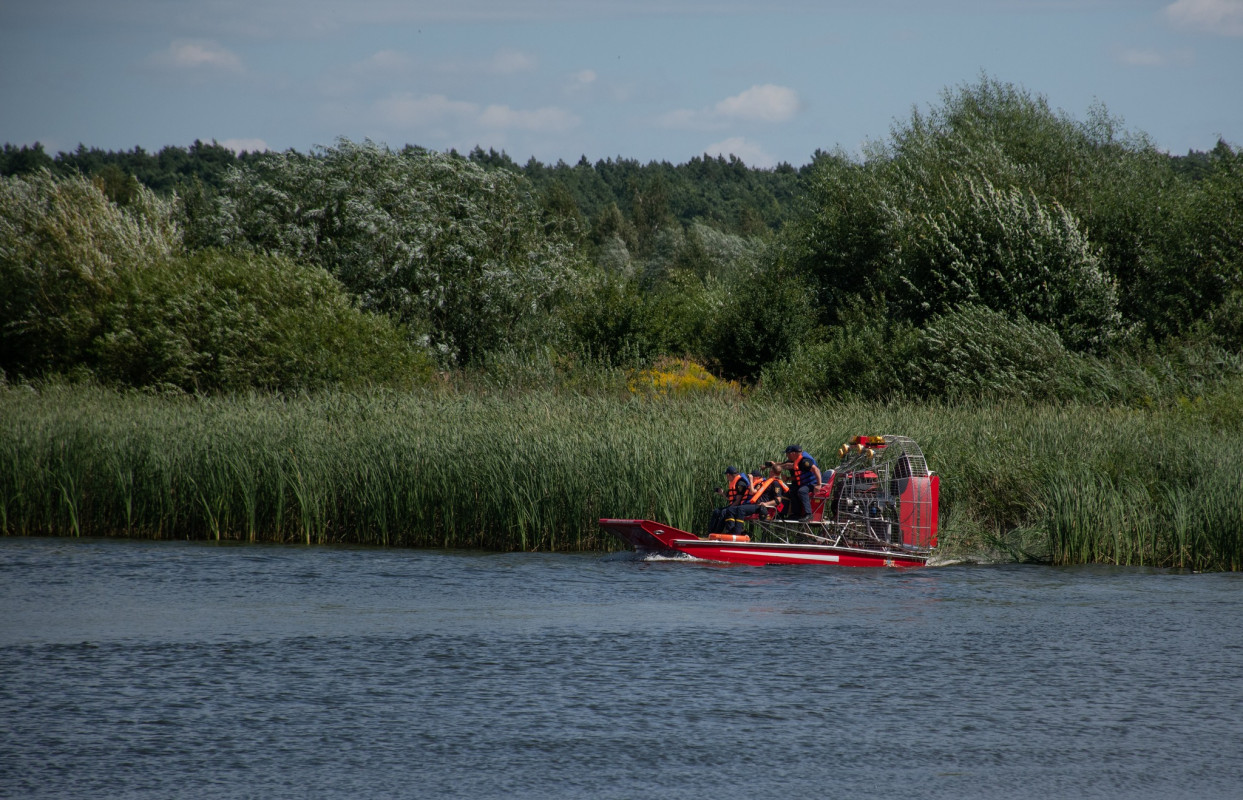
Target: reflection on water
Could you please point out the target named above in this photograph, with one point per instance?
(164, 669)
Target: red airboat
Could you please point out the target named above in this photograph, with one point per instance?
(877, 508)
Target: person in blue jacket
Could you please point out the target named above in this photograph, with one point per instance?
(806, 478)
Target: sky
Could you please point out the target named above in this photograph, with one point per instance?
(650, 80)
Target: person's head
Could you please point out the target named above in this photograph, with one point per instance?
(731, 471)
(794, 452)
(773, 467)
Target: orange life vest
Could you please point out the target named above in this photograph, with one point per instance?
(738, 487)
(757, 492)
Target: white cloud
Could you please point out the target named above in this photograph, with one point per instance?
(507, 62)
(548, 119)
(386, 61)
(409, 111)
(1223, 17)
(196, 54)
(751, 153)
(412, 112)
(767, 103)
(582, 79)
(249, 145)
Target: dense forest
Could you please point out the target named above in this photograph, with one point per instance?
(989, 246)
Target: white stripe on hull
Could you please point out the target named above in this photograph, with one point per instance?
(792, 553)
(771, 554)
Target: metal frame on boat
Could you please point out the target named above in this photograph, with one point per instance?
(877, 508)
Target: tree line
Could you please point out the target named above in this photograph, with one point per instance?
(989, 245)
(723, 191)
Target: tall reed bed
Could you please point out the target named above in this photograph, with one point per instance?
(443, 468)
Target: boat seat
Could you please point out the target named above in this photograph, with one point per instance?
(767, 513)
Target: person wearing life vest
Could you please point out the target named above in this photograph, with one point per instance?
(737, 488)
(765, 493)
(771, 489)
(806, 478)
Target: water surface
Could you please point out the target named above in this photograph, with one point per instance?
(156, 669)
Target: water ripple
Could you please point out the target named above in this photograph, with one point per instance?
(147, 670)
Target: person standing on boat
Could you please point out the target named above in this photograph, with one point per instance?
(735, 492)
(806, 478)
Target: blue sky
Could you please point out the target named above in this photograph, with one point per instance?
(557, 79)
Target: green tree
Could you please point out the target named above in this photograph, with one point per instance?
(215, 321)
(1006, 251)
(24, 160)
(107, 290)
(63, 246)
(649, 203)
(843, 235)
(457, 253)
(562, 217)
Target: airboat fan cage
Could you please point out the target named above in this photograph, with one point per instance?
(880, 495)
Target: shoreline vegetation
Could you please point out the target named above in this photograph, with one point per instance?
(535, 470)
(407, 347)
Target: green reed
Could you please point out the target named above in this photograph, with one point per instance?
(536, 471)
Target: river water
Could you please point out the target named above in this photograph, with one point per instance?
(157, 669)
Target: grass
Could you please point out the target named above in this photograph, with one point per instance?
(452, 468)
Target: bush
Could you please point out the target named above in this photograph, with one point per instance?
(606, 317)
(1003, 249)
(94, 288)
(63, 251)
(678, 376)
(867, 357)
(700, 293)
(978, 352)
(767, 316)
(1223, 325)
(224, 321)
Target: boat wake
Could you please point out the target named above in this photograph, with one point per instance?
(667, 557)
(646, 556)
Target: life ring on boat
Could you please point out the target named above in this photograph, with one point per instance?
(729, 537)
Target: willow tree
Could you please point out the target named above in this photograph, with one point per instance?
(457, 253)
(64, 248)
(94, 288)
(978, 201)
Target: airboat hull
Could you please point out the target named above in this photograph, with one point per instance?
(646, 536)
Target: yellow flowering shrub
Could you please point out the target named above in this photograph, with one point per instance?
(677, 377)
